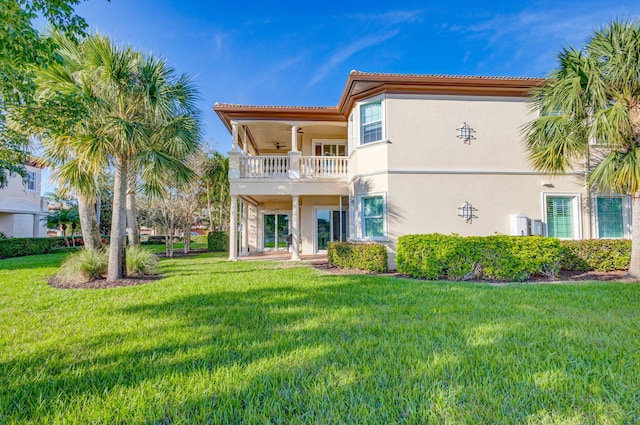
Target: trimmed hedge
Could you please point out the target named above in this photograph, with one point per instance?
(363, 256)
(218, 241)
(18, 247)
(499, 257)
(596, 254)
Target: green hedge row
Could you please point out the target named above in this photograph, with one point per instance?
(218, 241)
(499, 257)
(18, 247)
(363, 256)
(596, 254)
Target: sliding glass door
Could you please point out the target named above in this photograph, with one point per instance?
(276, 231)
(331, 225)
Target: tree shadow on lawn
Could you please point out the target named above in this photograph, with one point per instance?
(372, 349)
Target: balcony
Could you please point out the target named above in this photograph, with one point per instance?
(292, 166)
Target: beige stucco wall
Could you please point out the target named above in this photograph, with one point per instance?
(21, 209)
(426, 172)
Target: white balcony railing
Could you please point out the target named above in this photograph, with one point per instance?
(291, 167)
(264, 166)
(318, 167)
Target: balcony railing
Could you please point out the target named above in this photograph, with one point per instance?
(270, 167)
(291, 167)
(318, 167)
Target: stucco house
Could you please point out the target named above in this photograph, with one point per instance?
(401, 154)
(23, 211)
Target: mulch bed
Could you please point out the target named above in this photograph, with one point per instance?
(102, 283)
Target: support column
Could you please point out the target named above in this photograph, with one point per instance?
(294, 138)
(234, 136)
(295, 228)
(233, 229)
(245, 227)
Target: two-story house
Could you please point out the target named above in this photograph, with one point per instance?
(23, 212)
(401, 154)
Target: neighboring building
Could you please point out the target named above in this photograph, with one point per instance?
(23, 211)
(401, 154)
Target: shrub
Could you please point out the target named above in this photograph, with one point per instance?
(499, 257)
(596, 254)
(83, 266)
(18, 247)
(141, 261)
(218, 241)
(362, 256)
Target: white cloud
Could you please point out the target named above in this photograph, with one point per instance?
(346, 52)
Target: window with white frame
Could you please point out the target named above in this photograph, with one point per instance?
(562, 216)
(371, 122)
(612, 216)
(373, 217)
(31, 180)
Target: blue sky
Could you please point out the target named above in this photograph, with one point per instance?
(300, 53)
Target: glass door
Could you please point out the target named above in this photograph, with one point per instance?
(331, 225)
(276, 231)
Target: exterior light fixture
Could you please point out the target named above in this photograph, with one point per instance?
(466, 212)
(466, 133)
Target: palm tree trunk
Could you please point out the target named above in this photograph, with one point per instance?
(132, 216)
(89, 224)
(117, 248)
(634, 268)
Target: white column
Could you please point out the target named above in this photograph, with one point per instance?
(233, 229)
(294, 138)
(234, 136)
(245, 227)
(295, 228)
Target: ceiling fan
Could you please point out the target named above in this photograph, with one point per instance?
(278, 145)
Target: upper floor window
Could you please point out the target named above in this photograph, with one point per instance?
(371, 122)
(31, 180)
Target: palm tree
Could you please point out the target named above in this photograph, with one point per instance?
(590, 110)
(138, 113)
(63, 218)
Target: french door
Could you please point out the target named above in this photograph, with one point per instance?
(276, 231)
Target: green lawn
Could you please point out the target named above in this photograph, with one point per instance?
(256, 343)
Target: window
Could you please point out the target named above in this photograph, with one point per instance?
(371, 122)
(330, 148)
(562, 217)
(31, 180)
(373, 217)
(612, 216)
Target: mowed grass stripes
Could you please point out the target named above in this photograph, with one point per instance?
(263, 342)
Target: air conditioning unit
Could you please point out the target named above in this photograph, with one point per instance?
(518, 225)
(536, 227)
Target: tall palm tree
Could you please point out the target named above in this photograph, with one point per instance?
(138, 112)
(590, 110)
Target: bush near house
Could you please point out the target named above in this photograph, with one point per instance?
(18, 247)
(218, 241)
(596, 254)
(499, 257)
(363, 256)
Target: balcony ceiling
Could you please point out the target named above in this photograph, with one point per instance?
(267, 134)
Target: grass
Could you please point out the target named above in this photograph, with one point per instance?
(260, 342)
